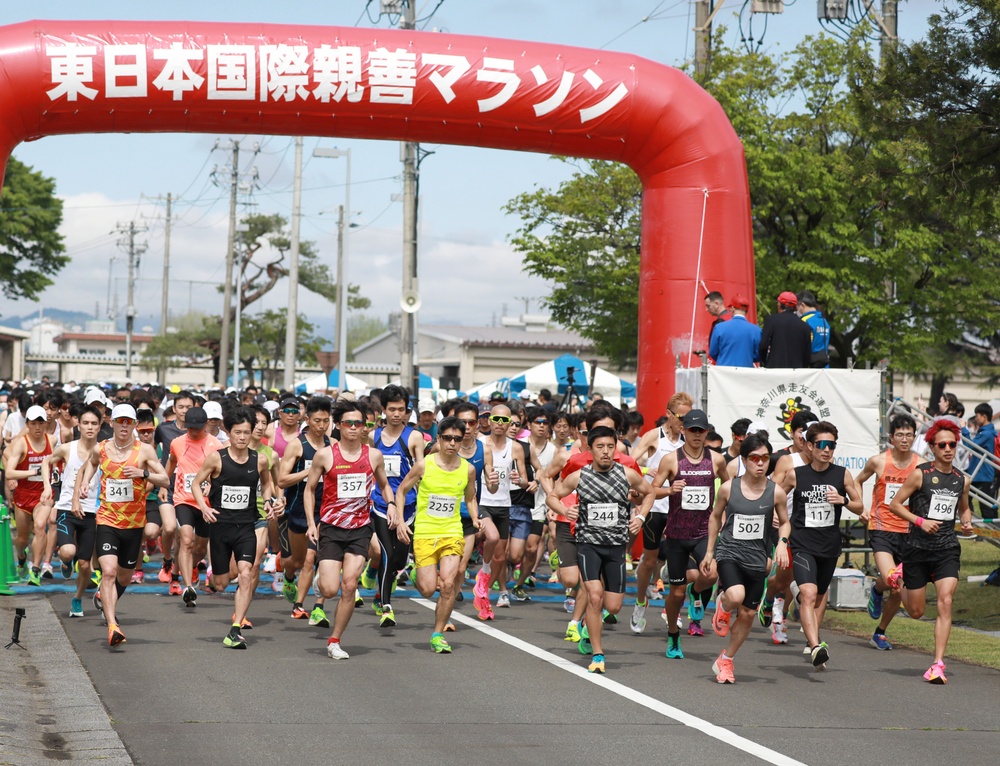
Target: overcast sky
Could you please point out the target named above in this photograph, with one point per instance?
(468, 272)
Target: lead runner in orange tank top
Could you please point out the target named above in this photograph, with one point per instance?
(126, 466)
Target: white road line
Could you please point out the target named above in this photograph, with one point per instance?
(669, 711)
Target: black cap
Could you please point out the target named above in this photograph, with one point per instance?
(195, 418)
(696, 419)
(289, 401)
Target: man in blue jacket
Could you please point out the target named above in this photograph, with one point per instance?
(985, 437)
(808, 311)
(735, 343)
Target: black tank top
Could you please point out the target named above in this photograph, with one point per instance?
(815, 520)
(937, 499)
(233, 493)
(293, 497)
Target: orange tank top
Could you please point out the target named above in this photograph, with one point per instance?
(886, 487)
(123, 502)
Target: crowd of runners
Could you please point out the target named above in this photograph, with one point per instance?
(336, 495)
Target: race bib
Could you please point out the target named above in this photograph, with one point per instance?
(119, 490)
(695, 498)
(748, 527)
(188, 481)
(33, 477)
(235, 498)
(819, 515)
(602, 514)
(351, 485)
(441, 506)
(942, 507)
(392, 465)
(890, 492)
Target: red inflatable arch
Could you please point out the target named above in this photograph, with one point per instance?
(59, 77)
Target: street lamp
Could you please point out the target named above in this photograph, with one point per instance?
(240, 228)
(341, 268)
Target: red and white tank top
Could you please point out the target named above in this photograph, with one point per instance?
(346, 489)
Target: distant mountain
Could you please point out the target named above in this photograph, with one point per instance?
(69, 318)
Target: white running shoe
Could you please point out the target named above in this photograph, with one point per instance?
(503, 599)
(638, 621)
(778, 633)
(278, 583)
(336, 652)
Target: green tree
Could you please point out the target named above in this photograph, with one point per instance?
(31, 247)
(262, 344)
(361, 328)
(584, 238)
(195, 338)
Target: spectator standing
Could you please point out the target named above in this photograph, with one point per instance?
(982, 479)
(786, 341)
(715, 305)
(736, 343)
(808, 311)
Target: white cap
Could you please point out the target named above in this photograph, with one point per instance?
(35, 413)
(757, 426)
(123, 411)
(95, 396)
(213, 410)
(271, 406)
(525, 394)
(426, 405)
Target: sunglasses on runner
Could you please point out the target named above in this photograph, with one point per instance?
(758, 459)
(696, 430)
(499, 418)
(146, 430)
(515, 424)
(351, 423)
(484, 416)
(825, 444)
(369, 424)
(124, 421)
(540, 421)
(451, 438)
(291, 410)
(467, 421)
(946, 445)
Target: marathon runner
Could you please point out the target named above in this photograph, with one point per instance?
(443, 480)
(23, 459)
(165, 433)
(349, 470)
(887, 532)
(935, 490)
(126, 464)
(541, 451)
(739, 548)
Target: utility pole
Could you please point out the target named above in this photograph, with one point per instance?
(134, 251)
(291, 318)
(409, 370)
(702, 36)
(341, 313)
(889, 25)
(227, 293)
(166, 269)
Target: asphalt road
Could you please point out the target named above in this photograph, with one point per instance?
(513, 692)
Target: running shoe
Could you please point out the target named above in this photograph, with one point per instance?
(289, 590)
(245, 623)
(98, 605)
(277, 584)
(723, 669)
(449, 628)
(572, 632)
(765, 613)
(530, 582)
(695, 629)
(778, 611)
(138, 578)
(67, 570)
(377, 607)
(696, 609)
(317, 618)
(358, 601)
(674, 647)
(638, 620)
(596, 665)
(778, 633)
(607, 618)
(569, 605)
(459, 597)
(652, 592)
(388, 618)
(368, 581)
(195, 575)
(22, 571)
(190, 597)
(554, 560)
(820, 654)
(895, 578)
(95, 579)
(234, 641)
(874, 604)
(299, 613)
(935, 674)
(34, 577)
(519, 594)
(75, 608)
(584, 643)
(335, 652)
(880, 642)
(482, 587)
(115, 636)
(720, 621)
(175, 588)
(503, 600)
(439, 645)
(486, 613)
(47, 573)
(270, 563)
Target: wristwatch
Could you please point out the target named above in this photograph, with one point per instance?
(783, 540)
(145, 473)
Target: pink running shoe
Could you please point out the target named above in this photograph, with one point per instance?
(695, 629)
(486, 613)
(482, 587)
(935, 674)
(895, 578)
(720, 623)
(723, 669)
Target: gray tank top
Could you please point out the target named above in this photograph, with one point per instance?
(744, 538)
